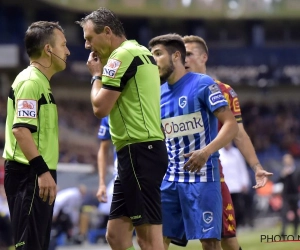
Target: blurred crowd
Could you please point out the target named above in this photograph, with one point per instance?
(262, 75)
(273, 128)
(78, 132)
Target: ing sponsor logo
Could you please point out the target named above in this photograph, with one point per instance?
(27, 105)
(111, 68)
(26, 108)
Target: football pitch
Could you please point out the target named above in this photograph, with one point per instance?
(251, 240)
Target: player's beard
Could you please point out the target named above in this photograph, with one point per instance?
(167, 71)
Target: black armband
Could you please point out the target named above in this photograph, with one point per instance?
(39, 165)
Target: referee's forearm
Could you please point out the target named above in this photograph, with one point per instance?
(97, 85)
(97, 100)
(26, 142)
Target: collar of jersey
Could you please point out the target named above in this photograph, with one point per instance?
(181, 81)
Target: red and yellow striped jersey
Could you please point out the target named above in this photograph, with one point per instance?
(232, 99)
(234, 105)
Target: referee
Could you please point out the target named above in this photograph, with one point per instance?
(31, 138)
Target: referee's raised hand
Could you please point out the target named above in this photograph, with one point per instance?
(47, 187)
(94, 64)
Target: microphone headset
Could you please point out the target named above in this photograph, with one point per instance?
(56, 56)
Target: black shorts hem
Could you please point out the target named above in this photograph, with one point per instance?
(116, 217)
(137, 223)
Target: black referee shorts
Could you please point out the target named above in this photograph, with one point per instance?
(141, 168)
(31, 218)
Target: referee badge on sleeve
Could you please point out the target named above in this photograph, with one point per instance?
(111, 68)
(27, 108)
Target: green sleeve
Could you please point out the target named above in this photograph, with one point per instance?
(26, 105)
(114, 71)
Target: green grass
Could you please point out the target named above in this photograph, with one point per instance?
(251, 241)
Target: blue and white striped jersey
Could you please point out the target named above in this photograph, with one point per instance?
(189, 124)
(104, 134)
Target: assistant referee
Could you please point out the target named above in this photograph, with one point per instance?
(31, 138)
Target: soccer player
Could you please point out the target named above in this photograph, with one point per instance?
(104, 193)
(191, 105)
(31, 139)
(196, 58)
(128, 89)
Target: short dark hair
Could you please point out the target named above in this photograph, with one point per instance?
(196, 39)
(38, 35)
(172, 42)
(101, 18)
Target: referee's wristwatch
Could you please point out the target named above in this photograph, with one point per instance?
(95, 78)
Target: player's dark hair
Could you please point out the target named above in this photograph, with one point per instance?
(196, 39)
(101, 18)
(172, 43)
(38, 35)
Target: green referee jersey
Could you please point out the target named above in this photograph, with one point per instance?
(135, 117)
(31, 105)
